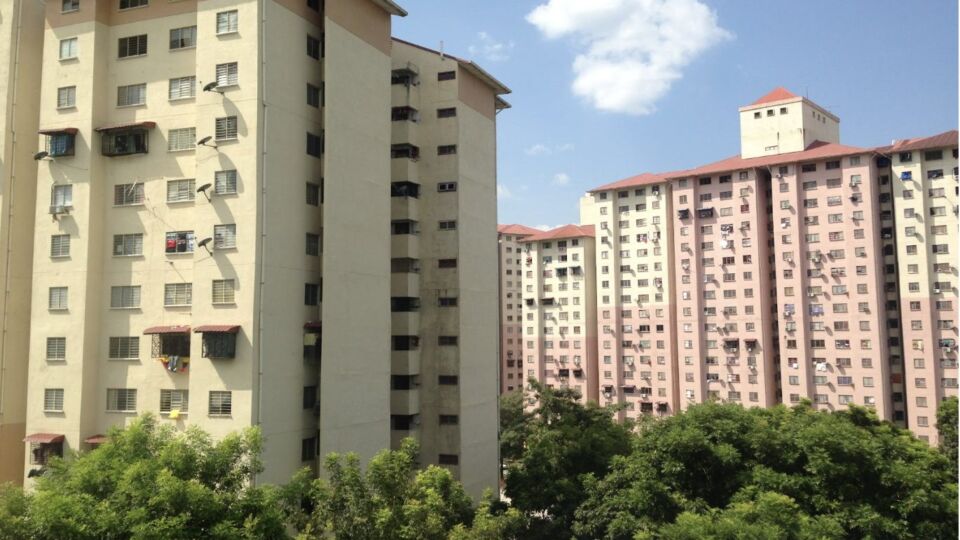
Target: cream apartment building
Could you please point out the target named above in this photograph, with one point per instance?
(559, 309)
(509, 238)
(21, 45)
(216, 244)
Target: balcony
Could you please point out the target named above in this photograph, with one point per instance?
(405, 246)
(405, 322)
(125, 139)
(405, 402)
(405, 208)
(705, 213)
(405, 362)
(405, 125)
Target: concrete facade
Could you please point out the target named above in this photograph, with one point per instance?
(509, 238)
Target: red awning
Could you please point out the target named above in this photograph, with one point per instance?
(44, 438)
(96, 439)
(312, 326)
(58, 131)
(127, 125)
(217, 329)
(167, 330)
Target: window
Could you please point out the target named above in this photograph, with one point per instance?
(125, 296)
(314, 145)
(446, 150)
(127, 245)
(124, 348)
(313, 95)
(314, 4)
(933, 155)
(311, 294)
(68, 48)
(448, 459)
(448, 225)
(129, 4)
(183, 88)
(313, 194)
(183, 38)
(66, 97)
(181, 190)
(313, 244)
(449, 419)
(313, 47)
(227, 74)
(219, 345)
(174, 400)
(121, 399)
(226, 22)
(220, 403)
(57, 298)
(56, 349)
(223, 291)
(448, 380)
(53, 400)
(60, 144)
(447, 301)
(177, 294)
(447, 263)
(62, 196)
(68, 6)
(445, 187)
(133, 45)
(132, 95)
(128, 194)
(60, 245)
(121, 142)
(308, 449)
(449, 112)
(446, 75)
(226, 128)
(179, 242)
(181, 139)
(225, 236)
(447, 340)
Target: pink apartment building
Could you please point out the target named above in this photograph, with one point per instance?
(559, 308)
(509, 238)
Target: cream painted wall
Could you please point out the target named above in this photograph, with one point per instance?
(785, 126)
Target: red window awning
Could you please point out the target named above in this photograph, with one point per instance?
(44, 438)
(217, 329)
(313, 325)
(59, 131)
(167, 330)
(126, 125)
(96, 439)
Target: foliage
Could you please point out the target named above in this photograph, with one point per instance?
(562, 442)
(149, 482)
(514, 426)
(947, 428)
(715, 464)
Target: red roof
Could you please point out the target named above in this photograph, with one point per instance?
(167, 330)
(567, 231)
(96, 439)
(643, 179)
(44, 438)
(126, 125)
(777, 94)
(217, 329)
(520, 230)
(816, 151)
(940, 140)
(57, 131)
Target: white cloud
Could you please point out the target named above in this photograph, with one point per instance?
(541, 149)
(561, 179)
(491, 49)
(545, 227)
(503, 192)
(632, 50)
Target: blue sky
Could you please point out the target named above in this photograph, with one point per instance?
(664, 94)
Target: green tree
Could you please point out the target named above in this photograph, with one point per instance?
(845, 468)
(147, 481)
(564, 442)
(947, 428)
(514, 424)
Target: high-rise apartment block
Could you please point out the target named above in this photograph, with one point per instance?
(510, 259)
(262, 213)
(800, 269)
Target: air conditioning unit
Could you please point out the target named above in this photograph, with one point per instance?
(812, 294)
(58, 209)
(689, 394)
(576, 360)
(936, 291)
(628, 361)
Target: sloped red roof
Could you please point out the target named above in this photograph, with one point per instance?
(566, 231)
(96, 439)
(940, 140)
(217, 329)
(642, 179)
(520, 230)
(777, 94)
(167, 330)
(44, 438)
(816, 151)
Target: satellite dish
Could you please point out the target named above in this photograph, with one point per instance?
(211, 87)
(203, 243)
(40, 155)
(203, 187)
(204, 141)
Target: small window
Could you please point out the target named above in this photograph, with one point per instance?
(177, 294)
(225, 182)
(313, 194)
(447, 341)
(447, 263)
(226, 128)
(223, 291)
(53, 400)
(226, 22)
(66, 97)
(448, 380)
(933, 155)
(449, 419)
(132, 95)
(121, 399)
(227, 74)
(308, 449)
(444, 187)
(183, 38)
(129, 4)
(62, 196)
(174, 400)
(310, 396)
(220, 403)
(448, 112)
(447, 301)
(56, 349)
(128, 194)
(446, 150)
(446, 75)
(125, 297)
(313, 244)
(313, 47)
(179, 242)
(448, 225)
(313, 95)
(132, 45)
(220, 345)
(69, 6)
(808, 167)
(60, 245)
(182, 88)
(68, 48)
(124, 348)
(311, 294)
(448, 459)
(225, 236)
(181, 139)
(123, 142)
(128, 245)
(314, 145)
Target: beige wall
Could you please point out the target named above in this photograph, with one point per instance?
(785, 126)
